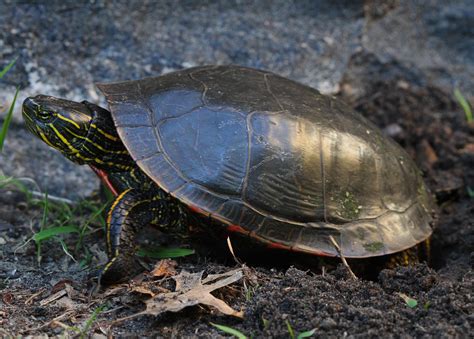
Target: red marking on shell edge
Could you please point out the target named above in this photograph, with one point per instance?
(318, 253)
(278, 246)
(275, 245)
(237, 229)
(197, 210)
(104, 177)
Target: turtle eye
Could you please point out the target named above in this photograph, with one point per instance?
(44, 114)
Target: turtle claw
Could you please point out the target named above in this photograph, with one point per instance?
(117, 269)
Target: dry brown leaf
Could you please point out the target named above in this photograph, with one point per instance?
(60, 285)
(7, 298)
(118, 289)
(165, 268)
(143, 290)
(192, 290)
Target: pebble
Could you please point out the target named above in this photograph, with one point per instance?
(393, 130)
(328, 323)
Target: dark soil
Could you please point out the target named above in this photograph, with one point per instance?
(424, 120)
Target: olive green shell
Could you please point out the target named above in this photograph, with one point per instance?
(274, 158)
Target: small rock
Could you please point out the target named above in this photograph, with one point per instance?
(393, 130)
(4, 226)
(2, 241)
(328, 323)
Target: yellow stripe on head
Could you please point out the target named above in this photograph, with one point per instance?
(69, 121)
(45, 139)
(63, 139)
(105, 134)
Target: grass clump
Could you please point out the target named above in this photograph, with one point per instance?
(8, 117)
(55, 218)
(83, 331)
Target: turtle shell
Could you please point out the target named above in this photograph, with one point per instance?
(273, 158)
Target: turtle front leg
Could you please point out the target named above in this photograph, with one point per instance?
(131, 211)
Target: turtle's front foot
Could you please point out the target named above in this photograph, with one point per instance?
(126, 217)
(117, 269)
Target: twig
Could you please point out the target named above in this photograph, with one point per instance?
(113, 310)
(343, 259)
(53, 297)
(48, 323)
(30, 299)
(231, 249)
(37, 193)
(40, 195)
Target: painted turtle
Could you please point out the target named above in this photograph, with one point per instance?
(261, 154)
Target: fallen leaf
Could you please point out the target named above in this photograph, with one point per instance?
(192, 290)
(7, 298)
(66, 303)
(412, 303)
(118, 289)
(60, 285)
(143, 290)
(164, 268)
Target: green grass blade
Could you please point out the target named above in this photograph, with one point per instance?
(53, 231)
(230, 330)
(6, 122)
(464, 104)
(96, 214)
(44, 218)
(91, 320)
(290, 329)
(65, 249)
(306, 334)
(7, 68)
(12, 182)
(163, 252)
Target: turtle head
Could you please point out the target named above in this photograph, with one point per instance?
(62, 124)
(81, 131)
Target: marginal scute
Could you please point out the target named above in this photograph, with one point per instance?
(157, 165)
(143, 140)
(130, 114)
(274, 157)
